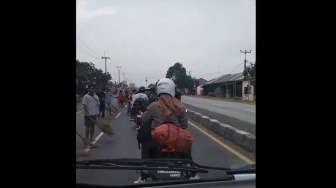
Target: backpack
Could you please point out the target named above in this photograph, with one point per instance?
(152, 97)
(173, 137)
(141, 104)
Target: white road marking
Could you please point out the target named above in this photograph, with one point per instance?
(96, 139)
(118, 115)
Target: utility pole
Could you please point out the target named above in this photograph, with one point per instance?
(105, 60)
(146, 81)
(245, 61)
(119, 67)
(124, 77)
(193, 82)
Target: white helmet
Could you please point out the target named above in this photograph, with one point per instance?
(165, 85)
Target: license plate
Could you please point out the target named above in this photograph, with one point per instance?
(168, 174)
(139, 116)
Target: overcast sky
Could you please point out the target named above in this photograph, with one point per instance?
(146, 37)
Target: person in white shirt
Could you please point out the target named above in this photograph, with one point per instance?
(140, 95)
(91, 111)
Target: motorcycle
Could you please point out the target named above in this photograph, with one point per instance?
(180, 160)
(137, 119)
(162, 175)
(138, 115)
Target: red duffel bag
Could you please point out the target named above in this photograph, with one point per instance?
(173, 137)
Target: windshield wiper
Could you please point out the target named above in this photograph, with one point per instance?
(139, 164)
(247, 169)
(146, 164)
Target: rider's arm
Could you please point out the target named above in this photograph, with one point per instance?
(148, 113)
(135, 98)
(183, 119)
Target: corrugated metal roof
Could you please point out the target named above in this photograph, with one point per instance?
(215, 79)
(239, 77)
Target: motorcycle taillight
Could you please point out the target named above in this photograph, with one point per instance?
(166, 150)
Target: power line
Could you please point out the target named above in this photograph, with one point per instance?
(87, 52)
(89, 47)
(236, 68)
(222, 71)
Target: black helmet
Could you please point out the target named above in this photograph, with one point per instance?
(152, 88)
(142, 89)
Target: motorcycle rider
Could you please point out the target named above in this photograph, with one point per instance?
(129, 101)
(165, 107)
(178, 94)
(152, 95)
(140, 97)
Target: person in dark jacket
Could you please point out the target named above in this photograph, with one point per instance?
(178, 94)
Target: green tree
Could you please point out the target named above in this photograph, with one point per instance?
(179, 75)
(87, 73)
(250, 70)
(196, 81)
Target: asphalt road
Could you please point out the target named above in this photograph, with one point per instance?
(241, 116)
(123, 144)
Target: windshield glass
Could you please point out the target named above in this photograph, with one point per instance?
(207, 52)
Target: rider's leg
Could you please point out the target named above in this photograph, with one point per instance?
(193, 175)
(133, 112)
(145, 154)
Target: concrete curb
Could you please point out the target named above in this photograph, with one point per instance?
(241, 138)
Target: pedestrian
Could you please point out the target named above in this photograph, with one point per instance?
(121, 98)
(109, 97)
(90, 113)
(101, 96)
